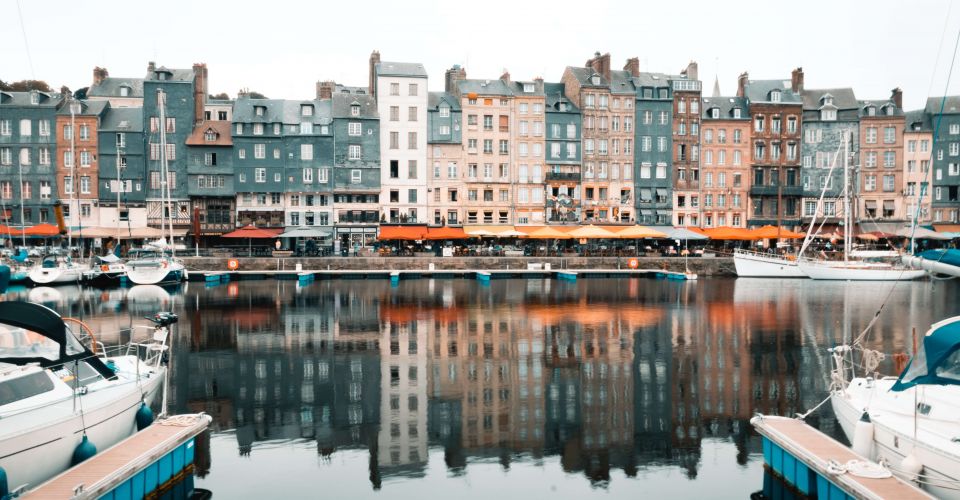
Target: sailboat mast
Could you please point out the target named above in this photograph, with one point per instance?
(73, 172)
(119, 187)
(847, 232)
(164, 168)
(23, 223)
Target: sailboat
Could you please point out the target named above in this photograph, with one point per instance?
(62, 399)
(106, 270)
(157, 262)
(907, 422)
(850, 269)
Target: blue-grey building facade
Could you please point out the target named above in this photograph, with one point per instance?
(308, 146)
(28, 151)
(829, 115)
(564, 134)
(356, 172)
(653, 154)
(120, 145)
(258, 161)
(945, 117)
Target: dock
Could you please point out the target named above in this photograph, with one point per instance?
(802, 456)
(305, 276)
(147, 462)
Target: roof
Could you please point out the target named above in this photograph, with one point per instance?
(517, 86)
(918, 118)
(435, 98)
(647, 79)
(47, 99)
(110, 87)
(343, 102)
(759, 91)
(219, 102)
(553, 95)
(485, 87)
(843, 98)
(726, 105)
(281, 111)
(584, 75)
(880, 104)
(951, 106)
(122, 120)
(176, 75)
(220, 128)
(621, 82)
(411, 70)
(87, 108)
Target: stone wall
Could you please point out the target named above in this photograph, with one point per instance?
(721, 266)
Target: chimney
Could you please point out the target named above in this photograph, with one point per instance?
(691, 71)
(151, 67)
(600, 64)
(896, 95)
(99, 74)
(374, 60)
(451, 77)
(796, 80)
(199, 91)
(742, 83)
(505, 77)
(633, 66)
(325, 89)
(538, 84)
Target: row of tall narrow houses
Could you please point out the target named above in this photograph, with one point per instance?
(600, 145)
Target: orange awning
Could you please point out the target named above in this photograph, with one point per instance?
(728, 233)
(406, 233)
(445, 233)
(771, 232)
(251, 231)
(42, 230)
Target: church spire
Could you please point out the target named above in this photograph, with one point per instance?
(716, 86)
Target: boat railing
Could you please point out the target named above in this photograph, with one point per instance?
(768, 255)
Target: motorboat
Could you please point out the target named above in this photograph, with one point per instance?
(106, 270)
(55, 270)
(154, 265)
(908, 423)
(63, 396)
(750, 264)
(858, 270)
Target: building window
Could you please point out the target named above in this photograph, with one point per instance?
(354, 110)
(306, 151)
(355, 152)
(411, 140)
(259, 151)
(257, 129)
(260, 175)
(412, 89)
(412, 114)
(354, 128)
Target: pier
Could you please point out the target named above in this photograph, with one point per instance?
(148, 462)
(395, 276)
(802, 456)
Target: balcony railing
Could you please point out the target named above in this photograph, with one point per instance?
(563, 176)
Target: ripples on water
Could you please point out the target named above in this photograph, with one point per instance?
(523, 387)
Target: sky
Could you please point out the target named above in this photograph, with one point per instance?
(281, 48)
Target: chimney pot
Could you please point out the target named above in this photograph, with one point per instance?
(742, 83)
(796, 80)
(896, 95)
(633, 66)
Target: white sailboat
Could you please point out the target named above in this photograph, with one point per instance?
(157, 263)
(58, 396)
(855, 269)
(909, 424)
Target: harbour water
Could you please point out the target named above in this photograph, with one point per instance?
(536, 388)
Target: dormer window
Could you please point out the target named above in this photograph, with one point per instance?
(124, 91)
(34, 97)
(827, 100)
(595, 79)
(210, 135)
(563, 106)
(444, 111)
(306, 110)
(714, 113)
(888, 110)
(355, 110)
(736, 112)
(871, 111)
(775, 96)
(828, 115)
(259, 110)
(528, 87)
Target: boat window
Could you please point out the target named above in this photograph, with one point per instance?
(950, 367)
(24, 387)
(21, 343)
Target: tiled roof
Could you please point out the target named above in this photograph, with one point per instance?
(343, 102)
(435, 98)
(122, 120)
(919, 118)
(176, 75)
(647, 79)
(584, 75)
(759, 91)
(517, 87)
(414, 70)
(47, 99)
(622, 82)
(220, 128)
(726, 105)
(87, 108)
(485, 87)
(951, 106)
(554, 93)
(843, 98)
(110, 87)
(881, 105)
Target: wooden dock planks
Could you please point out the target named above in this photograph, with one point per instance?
(112, 465)
(816, 449)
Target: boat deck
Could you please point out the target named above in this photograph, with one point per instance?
(108, 469)
(815, 449)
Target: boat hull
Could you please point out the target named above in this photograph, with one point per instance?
(840, 271)
(894, 434)
(55, 275)
(173, 272)
(934, 266)
(762, 266)
(44, 450)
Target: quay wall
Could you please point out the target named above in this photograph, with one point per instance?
(718, 266)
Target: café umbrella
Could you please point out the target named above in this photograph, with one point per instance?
(251, 232)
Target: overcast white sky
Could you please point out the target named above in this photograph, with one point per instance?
(281, 48)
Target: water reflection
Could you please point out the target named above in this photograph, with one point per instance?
(635, 377)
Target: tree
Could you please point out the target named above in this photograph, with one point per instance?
(255, 95)
(221, 95)
(26, 85)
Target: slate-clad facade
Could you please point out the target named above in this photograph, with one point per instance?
(120, 147)
(308, 154)
(564, 127)
(258, 159)
(357, 169)
(445, 158)
(945, 116)
(27, 151)
(829, 115)
(653, 155)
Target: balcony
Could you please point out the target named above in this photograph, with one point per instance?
(563, 176)
(358, 217)
(763, 190)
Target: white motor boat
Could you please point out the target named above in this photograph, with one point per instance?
(909, 424)
(58, 396)
(858, 270)
(155, 266)
(751, 264)
(55, 270)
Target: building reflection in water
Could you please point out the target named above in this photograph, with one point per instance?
(603, 374)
